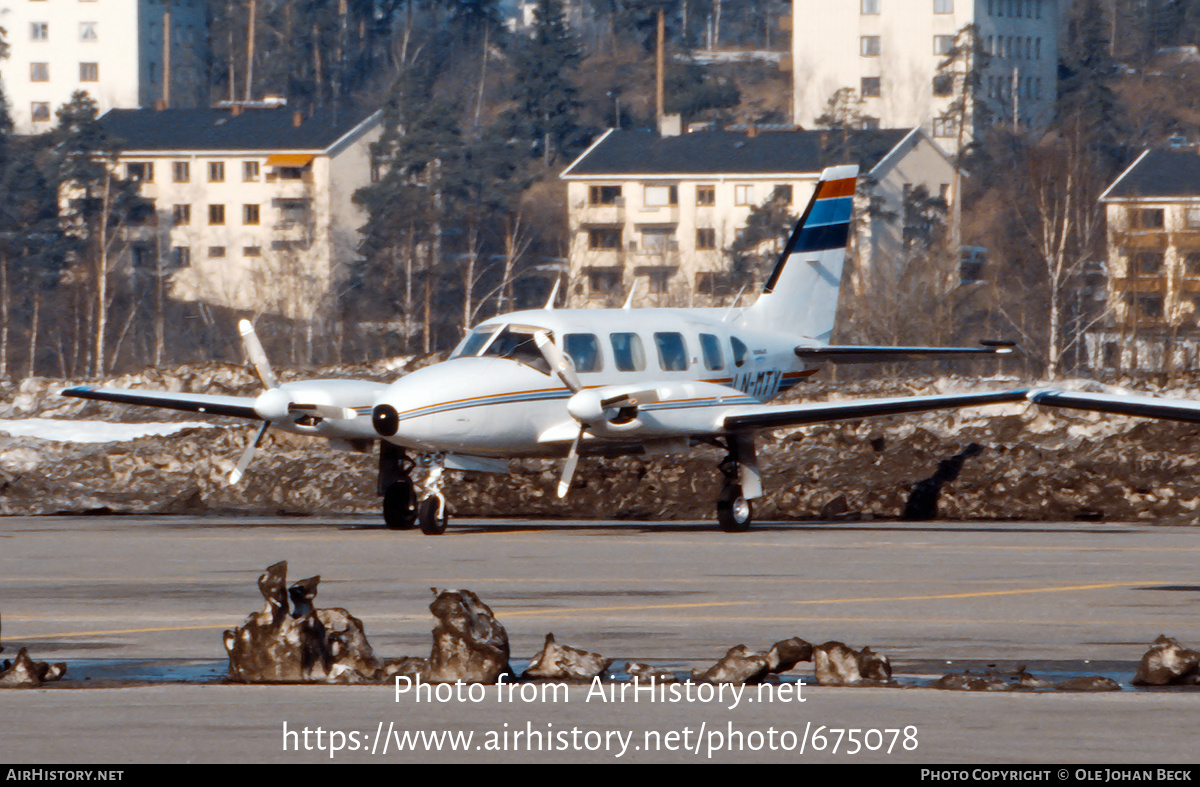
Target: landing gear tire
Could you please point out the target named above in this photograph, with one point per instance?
(432, 515)
(734, 512)
(400, 505)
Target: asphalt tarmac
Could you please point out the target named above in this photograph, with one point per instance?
(136, 607)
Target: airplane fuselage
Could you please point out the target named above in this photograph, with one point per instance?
(496, 396)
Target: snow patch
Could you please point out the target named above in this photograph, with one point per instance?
(60, 431)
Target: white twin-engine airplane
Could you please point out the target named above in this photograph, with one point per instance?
(571, 382)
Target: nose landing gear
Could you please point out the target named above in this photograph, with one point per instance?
(402, 509)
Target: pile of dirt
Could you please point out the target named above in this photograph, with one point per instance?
(1034, 463)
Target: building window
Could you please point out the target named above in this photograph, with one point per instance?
(604, 195)
(604, 238)
(660, 284)
(216, 172)
(216, 214)
(292, 212)
(182, 214)
(661, 196)
(87, 31)
(706, 239)
(870, 123)
(870, 7)
(216, 251)
(743, 195)
(1148, 219)
(869, 46)
(706, 195)
(250, 171)
(602, 281)
(870, 87)
(713, 283)
(181, 172)
(943, 85)
(1151, 306)
(1191, 265)
(140, 171)
(39, 72)
(944, 127)
(1148, 263)
(89, 72)
(943, 6)
(252, 251)
(39, 31)
(658, 240)
(39, 111)
(250, 214)
(181, 256)
(1191, 218)
(943, 45)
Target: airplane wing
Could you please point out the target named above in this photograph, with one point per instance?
(878, 354)
(1146, 406)
(774, 416)
(236, 406)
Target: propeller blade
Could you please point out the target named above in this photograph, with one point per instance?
(322, 411)
(248, 455)
(558, 360)
(256, 354)
(568, 471)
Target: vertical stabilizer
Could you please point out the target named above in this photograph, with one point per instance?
(801, 295)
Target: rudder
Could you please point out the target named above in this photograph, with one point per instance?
(801, 294)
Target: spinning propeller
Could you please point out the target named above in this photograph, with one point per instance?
(274, 405)
(587, 406)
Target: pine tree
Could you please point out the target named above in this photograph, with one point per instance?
(545, 91)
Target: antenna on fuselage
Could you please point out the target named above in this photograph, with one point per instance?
(737, 299)
(629, 301)
(553, 294)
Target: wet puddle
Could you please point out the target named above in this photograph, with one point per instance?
(116, 672)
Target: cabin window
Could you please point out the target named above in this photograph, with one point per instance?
(520, 347)
(672, 352)
(475, 341)
(628, 352)
(711, 345)
(584, 349)
(740, 353)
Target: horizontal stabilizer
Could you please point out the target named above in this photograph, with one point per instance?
(775, 416)
(1145, 406)
(236, 406)
(883, 354)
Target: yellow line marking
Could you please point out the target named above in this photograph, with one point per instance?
(867, 600)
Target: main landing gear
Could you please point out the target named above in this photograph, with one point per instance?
(401, 509)
(742, 483)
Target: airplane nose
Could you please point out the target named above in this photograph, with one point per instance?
(385, 420)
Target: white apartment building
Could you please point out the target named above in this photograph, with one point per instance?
(253, 206)
(112, 49)
(889, 51)
(657, 214)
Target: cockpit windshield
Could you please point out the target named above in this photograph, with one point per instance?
(474, 341)
(520, 346)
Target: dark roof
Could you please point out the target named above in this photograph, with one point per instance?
(716, 152)
(221, 129)
(1160, 173)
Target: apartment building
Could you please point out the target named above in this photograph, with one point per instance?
(253, 205)
(112, 49)
(889, 53)
(660, 213)
(1153, 217)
